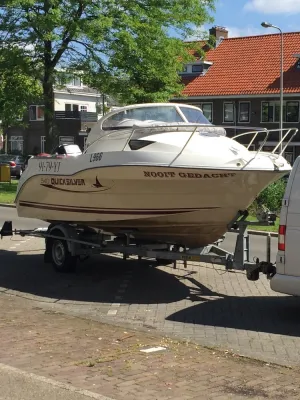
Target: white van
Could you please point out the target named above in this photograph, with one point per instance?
(287, 277)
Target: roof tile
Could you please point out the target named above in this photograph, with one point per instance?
(248, 65)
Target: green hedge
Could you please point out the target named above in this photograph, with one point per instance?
(271, 197)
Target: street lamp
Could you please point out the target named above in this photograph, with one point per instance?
(268, 25)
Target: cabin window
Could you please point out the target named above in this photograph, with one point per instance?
(194, 116)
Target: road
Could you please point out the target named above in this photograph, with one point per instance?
(257, 243)
(10, 214)
(202, 302)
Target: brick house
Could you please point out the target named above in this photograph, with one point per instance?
(238, 84)
(76, 110)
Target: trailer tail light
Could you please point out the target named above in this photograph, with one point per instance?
(12, 164)
(281, 237)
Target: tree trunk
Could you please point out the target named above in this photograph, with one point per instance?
(49, 125)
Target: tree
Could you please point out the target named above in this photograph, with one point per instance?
(122, 46)
(17, 86)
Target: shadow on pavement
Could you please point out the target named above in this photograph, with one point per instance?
(279, 315)
(96, 280)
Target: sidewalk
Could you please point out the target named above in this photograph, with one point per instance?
(108, 360)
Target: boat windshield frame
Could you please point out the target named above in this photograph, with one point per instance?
(151, 114)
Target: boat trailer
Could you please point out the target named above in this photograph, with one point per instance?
(66, 243)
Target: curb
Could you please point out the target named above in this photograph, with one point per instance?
(7, 205)
(29, 385)
(262, 233)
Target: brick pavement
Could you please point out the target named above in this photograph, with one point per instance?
(207, 305)
(107, 359)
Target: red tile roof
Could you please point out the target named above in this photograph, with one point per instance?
(248, 66)
(201, 44)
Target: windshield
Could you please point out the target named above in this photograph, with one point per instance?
(132, 116)
(194, 116)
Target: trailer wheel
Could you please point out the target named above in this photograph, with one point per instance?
(61, 258)
(253, 275)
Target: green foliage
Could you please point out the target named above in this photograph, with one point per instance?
(17, 87)
(271, 197)
(123, 47)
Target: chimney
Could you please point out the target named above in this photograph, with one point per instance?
(219, 32)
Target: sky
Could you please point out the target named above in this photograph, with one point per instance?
(244, 17)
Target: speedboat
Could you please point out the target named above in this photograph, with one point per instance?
(160, 172)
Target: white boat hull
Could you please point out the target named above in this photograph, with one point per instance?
(187, 206)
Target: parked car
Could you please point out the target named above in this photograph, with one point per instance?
(25, 163)
(15, 163)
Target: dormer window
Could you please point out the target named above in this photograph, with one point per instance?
(197, 68)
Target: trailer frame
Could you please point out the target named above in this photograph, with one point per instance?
(66, 243)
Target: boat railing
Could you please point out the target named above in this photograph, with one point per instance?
(286, 135)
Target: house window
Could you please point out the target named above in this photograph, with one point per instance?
(16, 144)
(197, 68)
(36, 113)
(77, 81)
(207, 109)
(71, 107)
(83, 108)
(74, 81)
(228, 112)
(270, 111)
(244, 112)
(292, 111)
(43, 142)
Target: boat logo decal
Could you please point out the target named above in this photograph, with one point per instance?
(168, 174)
(74, 185)
(97, 184)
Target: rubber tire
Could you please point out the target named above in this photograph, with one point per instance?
(19, 176)
(68, 264)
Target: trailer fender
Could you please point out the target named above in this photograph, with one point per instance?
(68, 232)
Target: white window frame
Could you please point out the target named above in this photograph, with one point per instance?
(71, 81)
(212, 109)
(37, 119)
(249, 113)
(85, 106)
(285, 103)
(233, 116)
(43, 142)
(19, 140)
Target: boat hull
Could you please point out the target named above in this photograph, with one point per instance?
(187, 206)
